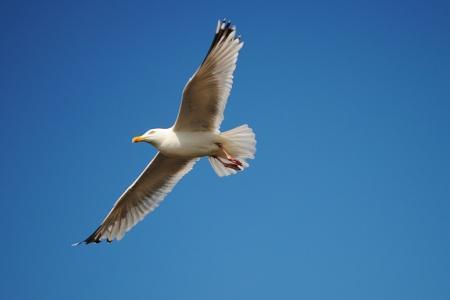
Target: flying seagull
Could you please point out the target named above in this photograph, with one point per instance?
(195, 134)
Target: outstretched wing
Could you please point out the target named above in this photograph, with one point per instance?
(206, 93)
(142, 197)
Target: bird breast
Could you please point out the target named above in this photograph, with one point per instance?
(190, 144)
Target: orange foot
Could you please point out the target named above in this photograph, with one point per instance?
(235, 165)
(233, 160)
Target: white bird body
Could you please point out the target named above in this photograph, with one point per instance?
(186, 143)
(195, 134)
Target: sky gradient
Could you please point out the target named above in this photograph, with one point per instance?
(349, 194)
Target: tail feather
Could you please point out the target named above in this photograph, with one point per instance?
(240, 143)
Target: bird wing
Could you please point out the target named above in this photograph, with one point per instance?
(142, 197)
(206, 93)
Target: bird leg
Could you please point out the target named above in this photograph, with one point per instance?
(231, 165)
(229, 157)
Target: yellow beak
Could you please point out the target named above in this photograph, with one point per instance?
(137, 139)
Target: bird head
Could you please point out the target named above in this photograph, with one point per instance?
(152, 136)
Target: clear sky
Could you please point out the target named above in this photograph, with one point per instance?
(349, 194)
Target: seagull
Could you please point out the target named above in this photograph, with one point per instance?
(194, 134)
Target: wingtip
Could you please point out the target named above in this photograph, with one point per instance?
(226, 23)
(218, 26)
(88, 241)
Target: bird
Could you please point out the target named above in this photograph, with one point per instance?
(195, 134)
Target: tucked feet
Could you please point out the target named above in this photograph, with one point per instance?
(233, 160)
(232, 164)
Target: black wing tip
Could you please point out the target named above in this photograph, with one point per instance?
(93, 238)
(224, 29)
(89, 241)
(86, 242)
(226, 26)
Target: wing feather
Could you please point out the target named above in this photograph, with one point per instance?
(142, 197)
(206, 93)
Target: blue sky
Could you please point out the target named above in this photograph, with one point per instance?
(349, 194)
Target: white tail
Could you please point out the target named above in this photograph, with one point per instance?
(240, 143)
